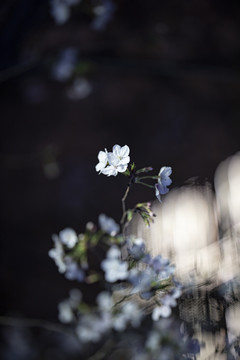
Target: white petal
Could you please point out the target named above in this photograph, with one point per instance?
(124, 151)
(121, 168)
(99, 166)
(117, 150)
(165, 311)
(157, 193)
(110, 171)
(113, 159)
(125, 160)
(102, 156)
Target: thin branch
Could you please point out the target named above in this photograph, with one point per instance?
(46, 325)
(124, 205)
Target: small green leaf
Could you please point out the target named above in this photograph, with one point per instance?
(132, 166)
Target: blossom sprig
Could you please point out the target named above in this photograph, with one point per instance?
(144, 210)
(118, 161)
(135, 291)
(111, 163)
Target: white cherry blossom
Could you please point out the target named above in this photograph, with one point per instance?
(111, 163)
(103, 159)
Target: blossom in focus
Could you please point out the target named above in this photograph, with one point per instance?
(103, 159)
(163, 181)
(68, 237)
(111, 163)
(114, 268)
(119, 156)
(108, 225)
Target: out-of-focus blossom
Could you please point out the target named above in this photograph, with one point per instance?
(161, 311)
(105, 301)
(108, 225)
(68, 237)
(80, 89)
(136, 248)
(57, 254)
(75, 297)
(141, 280)
(60, 10)
(162, 267)
(129, 314)
(153, 340)
(103, 14)
(163, 181)
(65, 314)
(92, 327)
(114, 268)
(73, 271)
(64, 67)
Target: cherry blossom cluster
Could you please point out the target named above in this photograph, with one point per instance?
(134, 291)
(111, 163)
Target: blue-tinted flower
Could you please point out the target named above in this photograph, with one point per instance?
(64, 67)
(108, 225)
(141, 280)
(73, 271)
(103, 14)
(136, 248)
(60, 10)
(162, 267)
(163, 181)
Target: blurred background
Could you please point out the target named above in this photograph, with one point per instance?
(159, 76)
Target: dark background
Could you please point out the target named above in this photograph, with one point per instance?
(165, 78)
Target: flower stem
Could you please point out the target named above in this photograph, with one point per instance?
(148, 177)
(123, 204)
(142, 183)
(23, 322)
